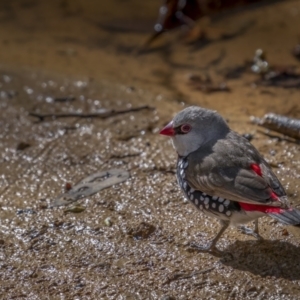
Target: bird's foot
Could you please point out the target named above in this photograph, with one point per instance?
(249, 231)
(210, 247)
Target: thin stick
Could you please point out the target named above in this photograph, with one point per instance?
(179, 276)
(104, 114)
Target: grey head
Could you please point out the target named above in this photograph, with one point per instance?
(193, 127)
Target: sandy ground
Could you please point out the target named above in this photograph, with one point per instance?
(52, 49)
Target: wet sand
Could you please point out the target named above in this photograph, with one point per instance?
(66, 48)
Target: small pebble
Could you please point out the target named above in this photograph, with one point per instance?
(22, 146)
(75, 209)
(108, 222)
(167, 297)
(68, 186)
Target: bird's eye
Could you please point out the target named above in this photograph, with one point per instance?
(185, 128)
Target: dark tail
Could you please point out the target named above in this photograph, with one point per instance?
(288, 217)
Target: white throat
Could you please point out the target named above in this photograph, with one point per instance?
(186, 144)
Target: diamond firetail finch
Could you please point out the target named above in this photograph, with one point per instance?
(224, 175)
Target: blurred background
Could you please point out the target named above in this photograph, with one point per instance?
(111, 40)
(145, 60)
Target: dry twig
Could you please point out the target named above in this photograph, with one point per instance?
(102, 115)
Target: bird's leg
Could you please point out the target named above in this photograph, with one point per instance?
(249, 231)
(256, 231)
(212, 245)
(256, 227)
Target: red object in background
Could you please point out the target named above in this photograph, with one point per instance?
(174, 13)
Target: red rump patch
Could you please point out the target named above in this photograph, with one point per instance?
(274, 196)
(262, 208)
(256, 168)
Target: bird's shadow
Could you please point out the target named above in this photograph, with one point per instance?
(265, 258)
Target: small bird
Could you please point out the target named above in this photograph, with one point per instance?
(224, 175)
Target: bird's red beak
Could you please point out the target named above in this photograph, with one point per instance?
(168, 130)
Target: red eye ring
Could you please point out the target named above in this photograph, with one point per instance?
(185, 128)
